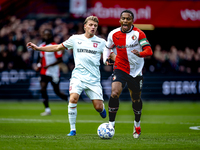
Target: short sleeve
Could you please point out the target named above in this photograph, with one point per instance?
(68, 44)
(110, 43)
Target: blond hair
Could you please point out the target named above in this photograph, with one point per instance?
(93, 18)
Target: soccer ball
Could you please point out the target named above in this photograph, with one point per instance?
(105, 131)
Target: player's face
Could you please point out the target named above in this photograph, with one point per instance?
(90, 28)
(47, 35)
(126, 21)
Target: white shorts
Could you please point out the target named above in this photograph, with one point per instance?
(93, 91)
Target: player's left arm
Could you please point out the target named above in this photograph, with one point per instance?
(147, 51)
(146, 47)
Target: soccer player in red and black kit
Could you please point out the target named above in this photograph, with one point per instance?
(131, 46)
(49, 70)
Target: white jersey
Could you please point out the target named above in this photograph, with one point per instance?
(87, 55)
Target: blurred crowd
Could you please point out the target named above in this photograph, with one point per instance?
(16, 33)
(174, 60)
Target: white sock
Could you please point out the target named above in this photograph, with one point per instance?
(48, 110)
(72, 113)
(112, 123)
(137, 124)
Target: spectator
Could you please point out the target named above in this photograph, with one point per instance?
(182, 62)
(17, 32)
(173, 59)
(160, 56)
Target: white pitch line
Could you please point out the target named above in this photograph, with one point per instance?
(195, 128)
(31, 120)
(52, 121)
(14, 120)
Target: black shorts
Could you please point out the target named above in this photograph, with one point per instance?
(134, 84)
(48, 79)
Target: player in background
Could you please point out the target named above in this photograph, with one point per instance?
(87, 50)
(49, 71)
(131, 46)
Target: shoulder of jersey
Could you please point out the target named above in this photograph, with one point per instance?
(115, 30)
(137, 29)
(77, 35)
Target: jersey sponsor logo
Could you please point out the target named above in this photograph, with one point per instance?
(134, 37)
(95, 45)
(125, 46)
(96, 41)
(86, 51)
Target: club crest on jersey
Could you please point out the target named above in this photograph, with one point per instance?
(95, 45)
(70, 88)
(134, 37)
(114, 77)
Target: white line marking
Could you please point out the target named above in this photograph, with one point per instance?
(52, 121)
(14, 120)
(195, 128)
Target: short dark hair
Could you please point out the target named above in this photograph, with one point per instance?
(127, 11)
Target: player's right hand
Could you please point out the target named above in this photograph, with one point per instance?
(37, 66)
(31, 45)
(109, 62)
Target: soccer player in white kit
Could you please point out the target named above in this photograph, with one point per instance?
(87, 50)
(131, 46)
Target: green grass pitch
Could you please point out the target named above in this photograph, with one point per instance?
(165, 125)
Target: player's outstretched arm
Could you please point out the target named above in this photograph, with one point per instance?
(50, 48)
